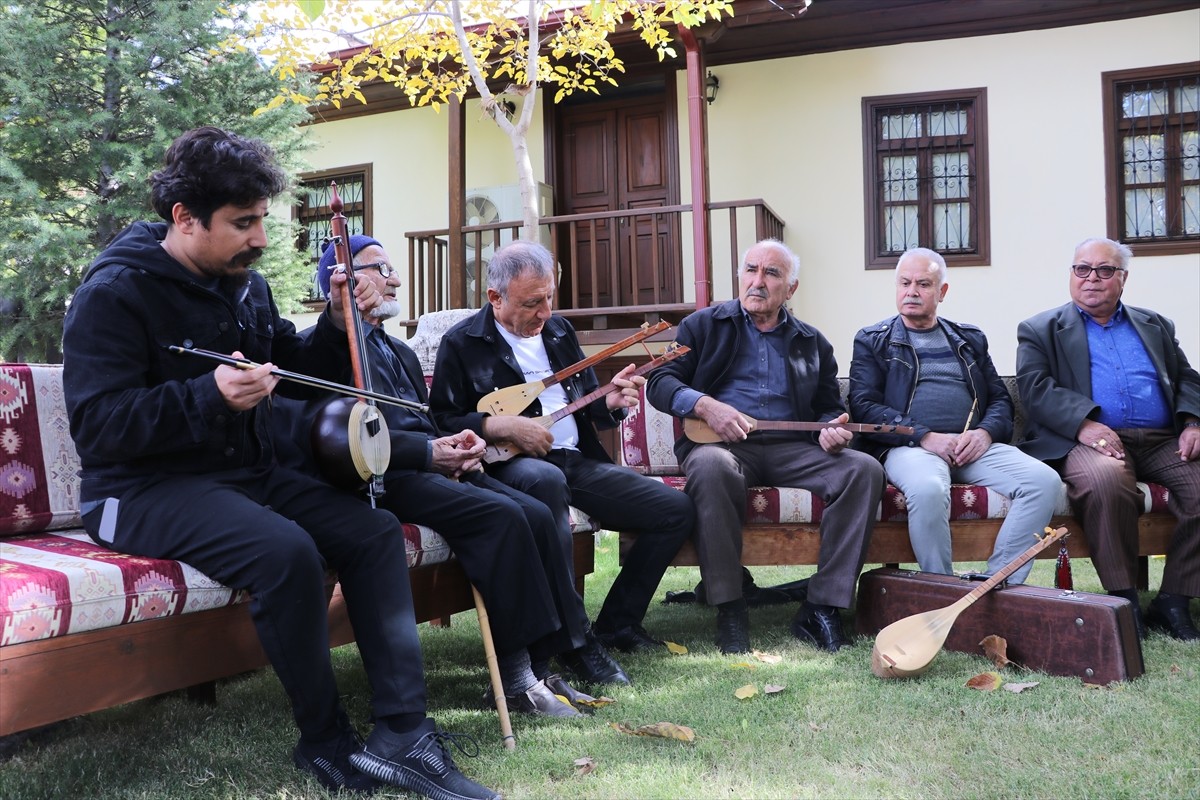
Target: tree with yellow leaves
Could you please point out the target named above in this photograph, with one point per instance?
(433, 51)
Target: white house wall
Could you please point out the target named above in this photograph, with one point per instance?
(795, 126)
(789, 131)
(410, 168)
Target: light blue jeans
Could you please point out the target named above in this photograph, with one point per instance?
(925, 480)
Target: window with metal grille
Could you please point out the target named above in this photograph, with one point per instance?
(314, 214)
(926, 176)
(1152, 148)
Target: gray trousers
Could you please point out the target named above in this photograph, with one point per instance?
(849, 483)
(925, 478)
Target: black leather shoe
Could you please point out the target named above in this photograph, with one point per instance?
(539, 700)
(580, 700)
(631, 639)
(1172, 618)
(820, 626)
(592, 663)
(733, 631)
(420, 762)
(330, 764)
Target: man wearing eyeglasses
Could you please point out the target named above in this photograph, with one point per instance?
(507, 542)
(1111, 399)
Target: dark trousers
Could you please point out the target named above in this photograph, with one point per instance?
(1104, 494)
(273, 533)
(620, 500)
(508, 545)
(850, 484)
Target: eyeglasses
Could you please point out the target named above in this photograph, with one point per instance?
(385, 269)
(1105, 272)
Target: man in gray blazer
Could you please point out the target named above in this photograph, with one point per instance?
(1111, 399)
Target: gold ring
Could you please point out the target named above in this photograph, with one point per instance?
(1096, 445)
(1102, 443)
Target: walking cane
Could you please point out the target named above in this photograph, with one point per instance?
(489, 651)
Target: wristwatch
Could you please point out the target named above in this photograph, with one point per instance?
(1193, 423)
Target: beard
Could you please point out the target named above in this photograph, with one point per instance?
(386, 310)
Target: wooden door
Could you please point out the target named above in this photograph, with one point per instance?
(619, 155)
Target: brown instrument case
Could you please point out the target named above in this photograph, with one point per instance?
(1089, 636)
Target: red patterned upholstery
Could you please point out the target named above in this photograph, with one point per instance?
(647, 445)
(53, 579)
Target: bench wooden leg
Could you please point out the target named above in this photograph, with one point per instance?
(1143, 573)
(440, 622)
(204, 694)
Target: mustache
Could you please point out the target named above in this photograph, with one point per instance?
(760, 293)
(249, 256)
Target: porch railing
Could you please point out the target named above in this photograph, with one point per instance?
(593, 264)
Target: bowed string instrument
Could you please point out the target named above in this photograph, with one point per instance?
(349, 435)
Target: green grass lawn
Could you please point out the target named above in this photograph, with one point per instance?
(834, 731)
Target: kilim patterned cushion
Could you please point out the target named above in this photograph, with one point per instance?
(53, 579)
(39, 470)
(647, 445)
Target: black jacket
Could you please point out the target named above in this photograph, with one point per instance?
(473, 360)
(139, 412)
(883, 377)
(714, 334)
(293, 419)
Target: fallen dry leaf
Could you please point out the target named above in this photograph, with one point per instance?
(662, 730)
(585, 765)
(743, 665)
(1017, 688)
(767, 658)
(1175, 668)
(773, 688)
(595, 702)
(985, 682)
(815, 727)
(676, 649)
(996, 649)
(746, 692)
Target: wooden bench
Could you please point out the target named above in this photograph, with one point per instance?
(83, 628)
(782, 525)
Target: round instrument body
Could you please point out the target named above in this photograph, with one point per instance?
(883, 669)
(350, 441)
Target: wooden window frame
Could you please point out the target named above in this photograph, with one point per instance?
(977, 147)
(1113, 83)
(364, 206)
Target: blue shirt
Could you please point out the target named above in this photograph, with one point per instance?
(758, 377)
(1124, 381)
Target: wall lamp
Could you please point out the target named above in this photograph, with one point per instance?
(710, 88)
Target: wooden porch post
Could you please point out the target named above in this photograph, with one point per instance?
(456, 183)
(698, 163)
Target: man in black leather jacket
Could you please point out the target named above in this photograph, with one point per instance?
(505, 540)
(516, 339)
(751, 356)
(178, 460)
(921, 370)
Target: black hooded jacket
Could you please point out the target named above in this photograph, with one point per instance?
(139, 412)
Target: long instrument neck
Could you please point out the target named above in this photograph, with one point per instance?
(1011, 567)
(593, 360)
(609, 388)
